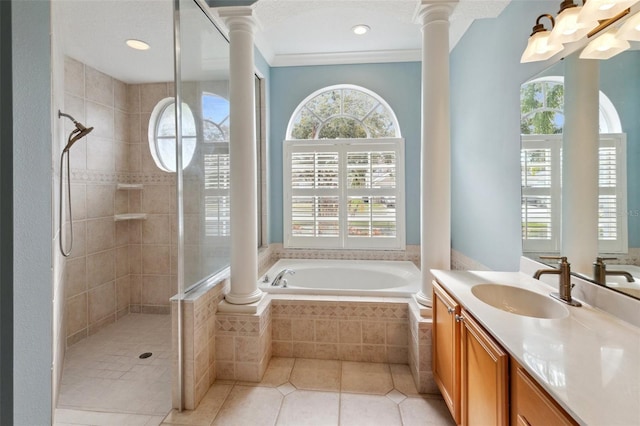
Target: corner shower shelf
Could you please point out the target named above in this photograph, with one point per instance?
(129, 186)
(130, 216)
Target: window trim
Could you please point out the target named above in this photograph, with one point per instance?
(152, 135)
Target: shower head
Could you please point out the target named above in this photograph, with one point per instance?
(78, 133)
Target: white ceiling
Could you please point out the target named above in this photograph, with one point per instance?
(291, 32)
(313, 32)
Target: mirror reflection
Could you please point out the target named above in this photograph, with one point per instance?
(542, 119)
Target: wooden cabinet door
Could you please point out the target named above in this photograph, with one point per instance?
(484, 386)
(446, 348)
(530, 404)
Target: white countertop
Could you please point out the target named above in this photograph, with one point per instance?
(588, 361)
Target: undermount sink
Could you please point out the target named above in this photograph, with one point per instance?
(519, 301)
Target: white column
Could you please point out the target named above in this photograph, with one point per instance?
(243, 158)
(580, 163)
(435, 241)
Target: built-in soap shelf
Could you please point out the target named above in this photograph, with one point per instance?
(129, 216)
(129, 186)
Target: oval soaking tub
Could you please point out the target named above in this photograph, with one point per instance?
(345, 277)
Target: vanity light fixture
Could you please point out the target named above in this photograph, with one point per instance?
(573, 25)
(630, 30)
(539, 47)
(605, 46)
(603, 9)
(567, 28)
(137, 44)
(360, 29)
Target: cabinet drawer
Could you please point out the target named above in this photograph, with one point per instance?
(531, 405)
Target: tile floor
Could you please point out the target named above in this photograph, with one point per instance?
(305, 392)
(105, 383)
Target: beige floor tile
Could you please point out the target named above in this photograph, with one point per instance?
(368, 410)
(316, 374)
(249, 405)
(103, 373)
(403, 379)
(206, 411)
(277, 373)
(425, 411)
(83, 417)
(309, 408)
(365, 377)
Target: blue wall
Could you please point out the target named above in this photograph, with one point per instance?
(32, 288)
(486, 75)
(397, 83)
(620, 81)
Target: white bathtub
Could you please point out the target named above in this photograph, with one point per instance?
(345, 277)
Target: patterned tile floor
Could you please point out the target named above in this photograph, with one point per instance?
(114, 387)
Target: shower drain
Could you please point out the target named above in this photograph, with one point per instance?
(145, 355)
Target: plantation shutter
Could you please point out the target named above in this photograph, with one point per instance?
(344, 194)
(612, 203)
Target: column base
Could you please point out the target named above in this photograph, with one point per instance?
(244, 299)
(423, 299)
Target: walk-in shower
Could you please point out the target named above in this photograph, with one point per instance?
(76, 134)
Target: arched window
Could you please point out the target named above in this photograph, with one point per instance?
(162, 135)
(541, 125)
(344, 172)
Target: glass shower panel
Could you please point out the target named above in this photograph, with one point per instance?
(203, 84)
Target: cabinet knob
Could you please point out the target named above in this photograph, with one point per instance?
(459, 318)
(450, 310)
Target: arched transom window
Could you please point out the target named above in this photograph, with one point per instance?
(343, 112)
(343, 180)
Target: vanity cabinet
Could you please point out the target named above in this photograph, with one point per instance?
(446, 348)
(484, 376)
(470, 369)
(530, 404)
(481, 384)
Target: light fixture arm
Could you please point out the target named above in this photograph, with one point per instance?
(540, 27)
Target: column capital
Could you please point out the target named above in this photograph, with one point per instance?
(238, 17)
(433, 10)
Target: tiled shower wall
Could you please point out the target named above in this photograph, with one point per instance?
(115, 267)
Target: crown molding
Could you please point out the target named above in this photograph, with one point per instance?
(346, 58)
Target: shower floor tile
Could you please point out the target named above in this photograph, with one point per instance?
(105, 381)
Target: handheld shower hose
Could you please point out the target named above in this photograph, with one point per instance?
(76, 134)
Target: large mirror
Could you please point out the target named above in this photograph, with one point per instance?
(542, 120)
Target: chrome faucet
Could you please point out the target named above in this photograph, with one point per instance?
(565, 286)
(279, 278)
(600, 271)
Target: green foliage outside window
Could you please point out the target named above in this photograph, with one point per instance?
(541, 107)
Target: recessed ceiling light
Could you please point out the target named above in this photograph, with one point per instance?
(360, 29)
(137, 44)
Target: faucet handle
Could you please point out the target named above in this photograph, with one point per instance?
(562, 259)
(600, 260)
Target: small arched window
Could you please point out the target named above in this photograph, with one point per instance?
(343, 178)
(162, 135)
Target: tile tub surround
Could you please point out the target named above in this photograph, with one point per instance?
(243, 343)
(420, 350)
(199, 342)
(587, 361)
(356, 330)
